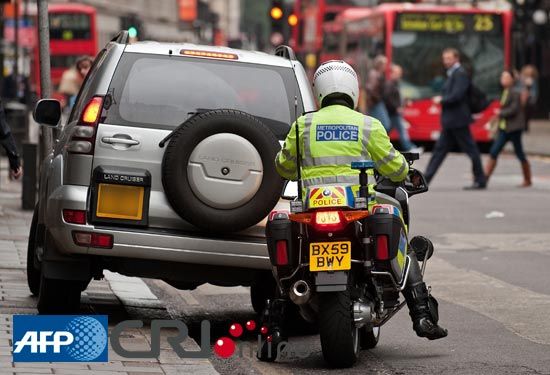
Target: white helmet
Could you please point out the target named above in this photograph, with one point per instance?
(335, 76)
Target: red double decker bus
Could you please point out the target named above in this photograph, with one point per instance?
(315, 21)
(332, 33)
(73, 34)
(413, 36)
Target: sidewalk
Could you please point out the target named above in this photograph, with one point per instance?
(120, 297)
(537, 140)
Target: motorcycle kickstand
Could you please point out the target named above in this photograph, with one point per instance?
(272, 319)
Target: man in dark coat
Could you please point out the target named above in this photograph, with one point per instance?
(7, 141)
(455, 120)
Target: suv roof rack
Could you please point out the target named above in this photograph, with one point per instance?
(285, 52)
(122, 37)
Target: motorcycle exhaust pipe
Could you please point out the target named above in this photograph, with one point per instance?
(300, 293)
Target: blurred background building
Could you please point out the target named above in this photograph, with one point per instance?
(248, 24)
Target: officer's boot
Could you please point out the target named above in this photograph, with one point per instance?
(422, 306)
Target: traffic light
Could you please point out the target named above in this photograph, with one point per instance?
(279, 13)
(292, 20)
(134, 25)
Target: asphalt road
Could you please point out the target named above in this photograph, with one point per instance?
(490, 274)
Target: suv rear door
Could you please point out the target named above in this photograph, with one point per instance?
(151, 94)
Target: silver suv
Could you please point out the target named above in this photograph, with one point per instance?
(164, 169)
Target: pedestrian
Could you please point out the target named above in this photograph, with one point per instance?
(375, 88)
(393, 103)
(72, 80)
(528, 84)
(455, 121)
(7, 141)
(511, 125)
(83, 66)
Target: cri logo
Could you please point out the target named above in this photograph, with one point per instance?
(225, 346)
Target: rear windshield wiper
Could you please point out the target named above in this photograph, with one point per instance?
(191, 115)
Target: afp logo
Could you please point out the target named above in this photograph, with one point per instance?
(60, 338)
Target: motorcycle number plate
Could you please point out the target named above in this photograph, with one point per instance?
(329, 256)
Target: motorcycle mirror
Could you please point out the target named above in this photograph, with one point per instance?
(290, 190)
(416, 183)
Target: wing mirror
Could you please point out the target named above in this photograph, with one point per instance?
(416, 183)
(290, 190)
(47, 112)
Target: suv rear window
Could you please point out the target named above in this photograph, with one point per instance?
(163, 91)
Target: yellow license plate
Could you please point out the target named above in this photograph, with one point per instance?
(120, 202)
(329, 256)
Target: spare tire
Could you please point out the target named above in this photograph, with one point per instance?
(218, 171)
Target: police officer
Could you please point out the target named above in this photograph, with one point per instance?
(333, 137)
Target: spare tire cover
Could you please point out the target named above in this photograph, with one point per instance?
(218, 171)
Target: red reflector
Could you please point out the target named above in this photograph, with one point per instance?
(282, 253)
(382, 251)
(74, 216)
(104, 241)
(91, 113)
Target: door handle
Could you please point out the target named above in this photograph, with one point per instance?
(120, 141)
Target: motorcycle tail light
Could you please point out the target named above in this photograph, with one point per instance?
(329, 221)
(327, 217)
(282, 253)
(382, 250)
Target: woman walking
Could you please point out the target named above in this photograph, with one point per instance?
(511, 125)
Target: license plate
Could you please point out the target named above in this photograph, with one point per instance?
(329, 256)
(120, 202)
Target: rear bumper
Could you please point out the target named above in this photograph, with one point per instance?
(147, 244)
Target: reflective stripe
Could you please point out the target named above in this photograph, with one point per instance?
(387, 159)
(331, 180)
(329, 160)
(399, 172)
(307, 128)
(367, 128)
(285, 153)
(285, 170)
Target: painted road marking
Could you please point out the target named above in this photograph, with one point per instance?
(520, 310)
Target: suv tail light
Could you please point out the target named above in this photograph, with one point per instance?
(74, 216)
(329, 221)
(99, 240)
(83, 137)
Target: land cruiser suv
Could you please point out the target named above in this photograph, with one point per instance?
(164, 169)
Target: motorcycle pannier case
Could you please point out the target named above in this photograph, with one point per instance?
(386, 228)
(282, 247)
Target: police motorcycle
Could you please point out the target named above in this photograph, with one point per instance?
(341, 257)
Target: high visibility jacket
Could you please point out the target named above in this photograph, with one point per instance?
(333, 137)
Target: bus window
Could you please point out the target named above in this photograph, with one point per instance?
(417, 47)
(69, 26)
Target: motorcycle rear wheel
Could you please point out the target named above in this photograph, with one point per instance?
(369, 336)
(339, 336)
